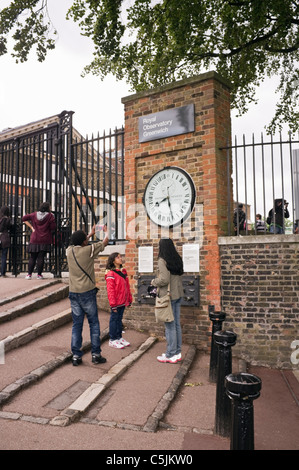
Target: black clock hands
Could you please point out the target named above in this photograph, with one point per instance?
(158, 203)
(170, 208)
(167, 198)
(169, 203)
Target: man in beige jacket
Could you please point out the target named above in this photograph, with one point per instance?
(83, 292)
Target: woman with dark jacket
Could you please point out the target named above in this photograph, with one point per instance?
(170, 270)
(5, 226)
(119, 297)
(42, 223)
(276, 217)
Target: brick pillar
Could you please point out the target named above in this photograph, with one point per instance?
(197, 153)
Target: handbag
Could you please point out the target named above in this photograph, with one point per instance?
(163, 308)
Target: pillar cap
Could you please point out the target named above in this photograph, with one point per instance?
(225, 338)
(243, 384)
(220, 316)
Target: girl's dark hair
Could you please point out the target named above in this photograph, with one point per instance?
(167, 251)
(110, 261)
(4, 211)
(44, 207)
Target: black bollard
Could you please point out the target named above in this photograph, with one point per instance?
(224, 340)
(217, 319)
(242, 389)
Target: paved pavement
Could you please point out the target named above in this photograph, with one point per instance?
(131, 403)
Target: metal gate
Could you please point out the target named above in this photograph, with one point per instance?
(82, 179)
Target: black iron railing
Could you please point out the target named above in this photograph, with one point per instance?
(263, 173)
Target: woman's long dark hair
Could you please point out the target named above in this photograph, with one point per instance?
(167, 251)
(44, 207)
(4, 211)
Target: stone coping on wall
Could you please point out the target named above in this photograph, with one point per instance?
(177, 84)
(119, 248)
(235, 240)
(256, 239)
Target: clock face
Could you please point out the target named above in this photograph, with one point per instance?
(169, 196)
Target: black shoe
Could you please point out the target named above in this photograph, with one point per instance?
(76, 361)
(98, 359)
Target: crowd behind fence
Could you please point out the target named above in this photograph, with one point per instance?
(264, 172)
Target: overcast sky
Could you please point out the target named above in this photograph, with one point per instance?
(33, 90)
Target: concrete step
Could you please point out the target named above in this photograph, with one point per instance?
(39, 328)
(29, 301)
(13, 289)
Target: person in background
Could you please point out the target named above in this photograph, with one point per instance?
(42, 223)
(259, 224)
(277, 215)
(119, 296)
(5, 226)
(239, 219)
(170, 270)
(83, 292)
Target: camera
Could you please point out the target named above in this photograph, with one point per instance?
(152, 291)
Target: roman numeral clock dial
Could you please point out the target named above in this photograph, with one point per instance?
(169, 197)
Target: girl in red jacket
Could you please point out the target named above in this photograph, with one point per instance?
(119, 296)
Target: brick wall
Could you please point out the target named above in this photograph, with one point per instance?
(198, 153)
(260, 295)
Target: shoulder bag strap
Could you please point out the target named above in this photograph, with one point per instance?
(80, 266)
(168, 290)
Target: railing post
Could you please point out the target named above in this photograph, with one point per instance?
(217, 319)
(225, 340)
(242, 389)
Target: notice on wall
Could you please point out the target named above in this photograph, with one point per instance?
(191, 258)
(145, 259)
(167, 123)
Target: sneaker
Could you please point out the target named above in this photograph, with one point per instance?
(98, 359)
(40, 276)
(116, 344)
(124, 342)
(178, 356)
(170, 360)
(76, 360)
(28, 276)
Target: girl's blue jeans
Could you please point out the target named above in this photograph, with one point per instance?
(115, 324)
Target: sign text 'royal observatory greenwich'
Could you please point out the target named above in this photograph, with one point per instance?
(167, 123)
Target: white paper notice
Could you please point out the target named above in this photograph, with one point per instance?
(191, 258)
(145, 259)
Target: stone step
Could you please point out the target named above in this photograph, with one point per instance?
(37, 329)
(45, 295)
(10, 293)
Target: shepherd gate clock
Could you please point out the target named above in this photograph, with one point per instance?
(169, 196)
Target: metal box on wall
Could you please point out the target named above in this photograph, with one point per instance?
(190, 285)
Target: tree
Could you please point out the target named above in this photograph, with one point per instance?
(153, 42)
